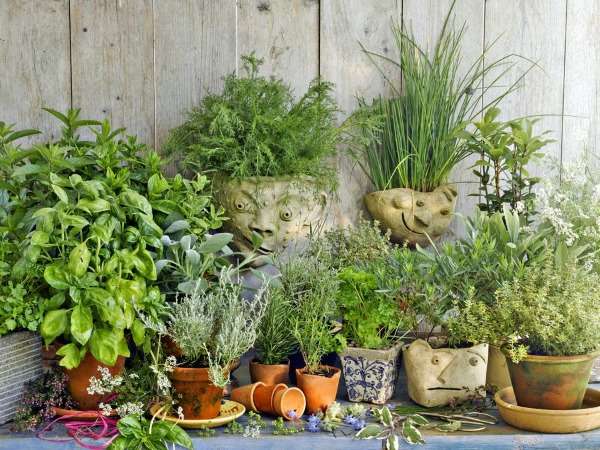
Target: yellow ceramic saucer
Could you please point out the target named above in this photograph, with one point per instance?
(230, 411)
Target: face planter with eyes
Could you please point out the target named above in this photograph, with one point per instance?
(410, 215)
(438, 376)
(279, 211)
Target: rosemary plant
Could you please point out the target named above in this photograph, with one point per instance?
(420, 139)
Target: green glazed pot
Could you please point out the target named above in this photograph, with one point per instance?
(551, 382)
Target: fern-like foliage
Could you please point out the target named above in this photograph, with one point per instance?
(254, 127)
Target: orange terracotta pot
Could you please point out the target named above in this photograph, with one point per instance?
(289, 403)
(245, 395)
(200, 399)
(79, 380)
(269, 373)
(264, 396)
(320, 391)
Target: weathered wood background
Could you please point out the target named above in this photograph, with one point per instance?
(143, 63)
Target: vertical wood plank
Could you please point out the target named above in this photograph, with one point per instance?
(34, 63)
(345, 23)
(285, 33)
(581, 123)
(195, 46)
(113, 63)
(425, 18)
(534, 29)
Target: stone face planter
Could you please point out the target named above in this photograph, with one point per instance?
(439, 376)
(412, 216)
(280, 210)
(20, 362)
(551, 382)
(370, 375)
(497, 370)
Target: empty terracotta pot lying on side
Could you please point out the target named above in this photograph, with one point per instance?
(320, 390)
(275, 399)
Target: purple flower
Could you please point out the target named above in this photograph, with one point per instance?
(292, 414)
(358, 425)
(350, 420)
(314, 424)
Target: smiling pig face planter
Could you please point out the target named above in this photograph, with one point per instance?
(280, 211)
(412, 216)
(440, 376)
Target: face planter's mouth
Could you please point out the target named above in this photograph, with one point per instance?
(407, 227)
(262, 249)
(444, 389)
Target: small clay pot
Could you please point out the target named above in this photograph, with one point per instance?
(269, 373)
(264, 396)
(289, 403)
(245, 395)
(497, 376)
(200, 399)
(79, 380)
(320, 390)
(551, 382)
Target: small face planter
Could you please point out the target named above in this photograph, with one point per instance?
(200, 398)
(370, 375)
(551, 382)
(21, 362)
(437, 377)
(320, 390)
(279, 210)
(413, 217)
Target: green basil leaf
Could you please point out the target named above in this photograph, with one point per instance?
(180, 437)
(71, 356)
(123, 348)
(82, 324)
(121, 442)
(53, 325)
(104, 345)
(134, 200)
(56, 276)
(39, 237)
(79, 260)
(60, 193)
(138, 331)
(93, 206)
(144, 263)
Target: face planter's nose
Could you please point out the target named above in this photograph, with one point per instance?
(262, 227)
(423, 217)
(446, 372)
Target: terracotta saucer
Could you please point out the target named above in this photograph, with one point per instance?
(548, 420)
(230, 411)
(83, 415)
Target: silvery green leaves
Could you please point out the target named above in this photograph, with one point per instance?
(393, 427)
(188, 260)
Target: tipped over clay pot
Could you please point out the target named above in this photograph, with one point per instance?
(289, 403)
(264, 395)
(245, 395)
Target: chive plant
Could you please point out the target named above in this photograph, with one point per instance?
(420, 137)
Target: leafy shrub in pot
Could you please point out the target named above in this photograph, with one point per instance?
(547, 322)
(265, 149)
(312, 288)
(210, 331)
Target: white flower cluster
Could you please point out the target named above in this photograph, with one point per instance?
(135, 408)
(251, 432)
(105, 384)
(105, 409)
(162, 380)
(180, 413)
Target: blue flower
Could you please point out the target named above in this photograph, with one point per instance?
(358, 424)
(292, 414)
(314, 424)
(350, 420)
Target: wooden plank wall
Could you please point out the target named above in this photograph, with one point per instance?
(144, 63)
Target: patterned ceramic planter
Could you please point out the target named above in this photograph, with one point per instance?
(370, 375)
(21, 362)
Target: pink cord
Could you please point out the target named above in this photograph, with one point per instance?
(79, 429)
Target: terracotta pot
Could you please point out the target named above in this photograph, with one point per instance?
(264, 396)
(200, 399)
(269, 373)
(320, 391)
(245, 395)
(289, 403)
(551, 382)
(413, 217)
(79, 380)
(370, 375)
(497, 375)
